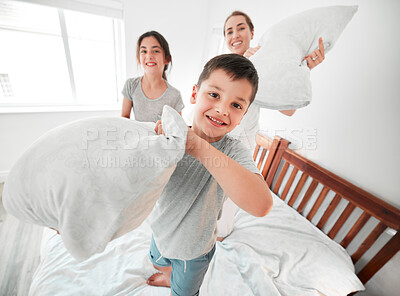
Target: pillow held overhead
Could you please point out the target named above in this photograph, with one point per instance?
(284, 78)
(95, 179)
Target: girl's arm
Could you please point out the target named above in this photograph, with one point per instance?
(126, 108)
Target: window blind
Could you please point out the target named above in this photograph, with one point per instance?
(108, 8)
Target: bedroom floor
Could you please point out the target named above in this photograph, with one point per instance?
(19, 253)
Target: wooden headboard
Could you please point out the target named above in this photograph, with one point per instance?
(295, 180)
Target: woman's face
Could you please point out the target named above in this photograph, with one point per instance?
(238, 34)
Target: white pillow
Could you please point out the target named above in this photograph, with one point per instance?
(95, 179)
(284, 78)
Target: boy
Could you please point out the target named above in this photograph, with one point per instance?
(184, 222)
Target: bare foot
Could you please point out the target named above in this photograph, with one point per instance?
(159, 279)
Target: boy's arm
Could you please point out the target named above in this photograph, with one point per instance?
(246, 189)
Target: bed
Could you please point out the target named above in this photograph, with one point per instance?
(322, 237)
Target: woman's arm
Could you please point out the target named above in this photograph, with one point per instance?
(314, 59)
(126, 108)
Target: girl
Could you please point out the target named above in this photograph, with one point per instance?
(148, 94)
(238, 32)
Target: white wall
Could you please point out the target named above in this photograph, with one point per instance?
(19, 130)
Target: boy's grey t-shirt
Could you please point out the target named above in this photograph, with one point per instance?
(184, 222)
(146, 109)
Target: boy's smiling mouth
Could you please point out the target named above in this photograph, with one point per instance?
(215, 121)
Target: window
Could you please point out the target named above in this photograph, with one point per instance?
(54, 56)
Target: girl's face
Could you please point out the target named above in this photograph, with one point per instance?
(152, 56)
(238, 34)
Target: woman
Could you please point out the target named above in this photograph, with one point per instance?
(238, 32)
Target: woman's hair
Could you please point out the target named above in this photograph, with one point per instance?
(246, 17)
(234, 65)
(163, 43)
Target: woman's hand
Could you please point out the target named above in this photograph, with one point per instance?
(317, 56)
(250, 51)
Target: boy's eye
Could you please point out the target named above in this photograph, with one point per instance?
(237, 106)
(143, 51)
(157, 51)
(229, 32)
(214, 95)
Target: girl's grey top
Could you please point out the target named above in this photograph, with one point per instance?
(149, 110)
(184, 221)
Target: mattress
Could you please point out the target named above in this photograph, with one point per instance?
(279, 254)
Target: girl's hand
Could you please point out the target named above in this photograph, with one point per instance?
(317, 56)
(250, 51)
(158, 129)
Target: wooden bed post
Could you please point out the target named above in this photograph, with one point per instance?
(379, 260)
(283, 145)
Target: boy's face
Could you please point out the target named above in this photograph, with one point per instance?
(221, 104)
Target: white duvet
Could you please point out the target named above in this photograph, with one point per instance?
(279, 254)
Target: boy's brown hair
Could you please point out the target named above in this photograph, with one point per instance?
(235, 65)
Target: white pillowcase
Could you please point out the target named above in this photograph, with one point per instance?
(284, 76)
(95, 179)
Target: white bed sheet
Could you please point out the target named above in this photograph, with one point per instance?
(279, 254)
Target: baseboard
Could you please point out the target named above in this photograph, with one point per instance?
(3, 176)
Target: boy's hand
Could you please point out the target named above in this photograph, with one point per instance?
(193, 143)
(158, 129)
